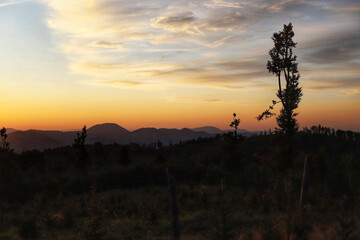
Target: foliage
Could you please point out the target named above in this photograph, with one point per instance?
(79, 145)
(28, 228)
(221, 228)
(344, 227)
(49, 183)
(95, 223)
(269, 230)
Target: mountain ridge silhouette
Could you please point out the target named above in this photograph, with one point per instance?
(106, 133)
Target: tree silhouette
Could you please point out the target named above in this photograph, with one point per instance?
(79, 143)
(235, 123)
(4, 144)
(283, 64)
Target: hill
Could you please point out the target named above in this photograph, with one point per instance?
(208, 129)
(106, 133)
(166, 136)
(31, 139)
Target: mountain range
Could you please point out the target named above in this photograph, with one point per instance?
(106, 133)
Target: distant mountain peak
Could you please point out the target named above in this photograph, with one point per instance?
(209, 129)
(106, 133)
(107, 128)
(106, 125)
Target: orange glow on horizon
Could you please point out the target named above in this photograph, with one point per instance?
(337, 116)
(65, 64)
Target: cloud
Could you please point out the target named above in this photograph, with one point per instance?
(352, 92)
(248, 64)
(181, 22)
(349, 83)
(207, 76)
(337, 47)
(333, 54)
(223, 3)
(211, 100)
(227, 19)
(5, 4)
(106, 44)
(223, 43)
(121, 83)
(196, 99)
(344, 8)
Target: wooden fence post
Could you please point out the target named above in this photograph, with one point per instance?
(173, 205)
(305, 180)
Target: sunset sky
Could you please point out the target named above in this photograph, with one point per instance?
(173, 63)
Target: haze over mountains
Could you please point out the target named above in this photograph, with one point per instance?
(106, 133)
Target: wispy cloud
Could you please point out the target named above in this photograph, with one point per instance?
(121, 83)
(337, 47)
(9, 3)
(220, 41)
(105, 44)
(223, 3)
(196, 99)
(178, 23)
(347, 86)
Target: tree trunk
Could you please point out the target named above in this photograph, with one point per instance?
(173, 205)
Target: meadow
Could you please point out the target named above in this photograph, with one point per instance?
(227, 187)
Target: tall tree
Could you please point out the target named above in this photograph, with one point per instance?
(283, 64)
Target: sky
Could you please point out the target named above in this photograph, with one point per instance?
(173, 63)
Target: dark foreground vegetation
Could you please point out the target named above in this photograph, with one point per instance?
(228, 187)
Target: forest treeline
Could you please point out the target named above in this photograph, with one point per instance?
(122, 190)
